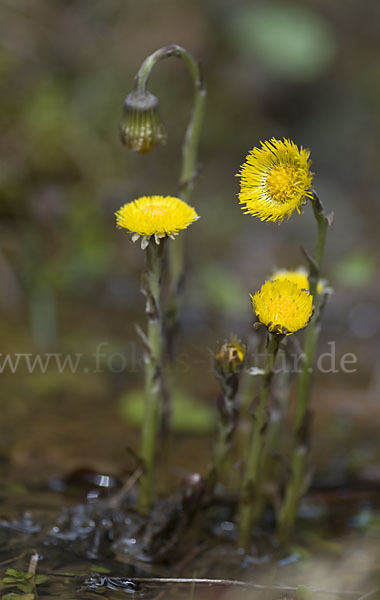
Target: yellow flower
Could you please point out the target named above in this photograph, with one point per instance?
(282, 306)
(298, 276)
(160, 216)
(275, 180)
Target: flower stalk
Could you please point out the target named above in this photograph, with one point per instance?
(250, 478)
(153, 219)
(153, 133)
(297, 484)
(271, 448)
(229, 364)
(193, 131)
(227, 422)
(153, 370)
(188, 173)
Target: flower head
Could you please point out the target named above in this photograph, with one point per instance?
(275, 180)
(231, 357)
(157, 216)
(298, 276)
(282, 306)
(141, 126)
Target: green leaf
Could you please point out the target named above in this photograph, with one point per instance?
(18, 574)
(24, 587)
(13, 572)
(189, 415)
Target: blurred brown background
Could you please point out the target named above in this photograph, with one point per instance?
(70, 280)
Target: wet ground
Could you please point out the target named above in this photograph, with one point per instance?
(67, 495)
(89, 546)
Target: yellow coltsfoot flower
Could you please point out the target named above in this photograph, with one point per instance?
(275, 180)
(298, 276)
(157, 216)
(282, 306)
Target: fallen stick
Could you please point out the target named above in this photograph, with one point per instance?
(233, 583)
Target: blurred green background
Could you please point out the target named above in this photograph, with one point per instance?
(70, 280)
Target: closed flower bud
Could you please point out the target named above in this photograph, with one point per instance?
(230, 358)
(141, 126)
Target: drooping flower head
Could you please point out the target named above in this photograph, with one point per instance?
(157, 216)
(275, 180)
(282, 306)
(141, 127)
(300, 277)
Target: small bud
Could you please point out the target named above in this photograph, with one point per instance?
(230, 358)
(141, 126)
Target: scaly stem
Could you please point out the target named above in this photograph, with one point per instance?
(226, 427)
(188, 168)
(273, 434)
(295, 487)
(153, 371)
(249, 484)
(312, 331)
(187, 178)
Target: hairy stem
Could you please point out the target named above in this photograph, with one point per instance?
(153, 371)
(249, 484)
(226, 427)
(312, 331)
(188, 173)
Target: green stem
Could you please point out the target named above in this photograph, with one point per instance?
(193, 131)
(322, 224)
(294, 490)
(188, 174)
(249, 484)
(186, 183)
(312, 331)
(153, 371)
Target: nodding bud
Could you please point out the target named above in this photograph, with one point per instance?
(141, 126)
(230, 358)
